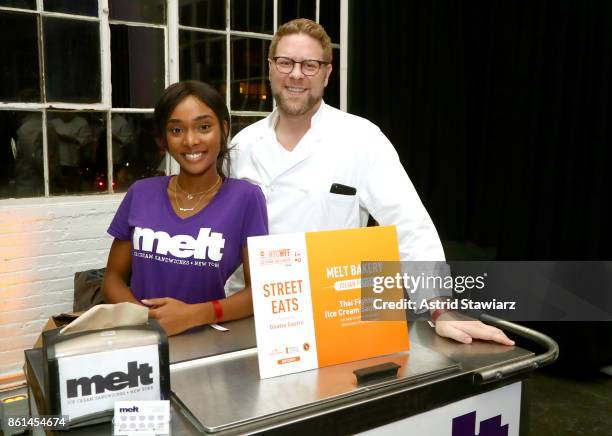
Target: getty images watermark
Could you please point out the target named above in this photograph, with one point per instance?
(439, 286)
(516, 291)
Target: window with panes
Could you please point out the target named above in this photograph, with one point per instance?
(79, 80)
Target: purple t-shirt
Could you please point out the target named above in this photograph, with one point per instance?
(188, 259)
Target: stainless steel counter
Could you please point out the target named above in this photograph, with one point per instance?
(216, 386)
(223, 391)
(206, 341)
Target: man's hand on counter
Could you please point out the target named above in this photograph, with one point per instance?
(462, 329)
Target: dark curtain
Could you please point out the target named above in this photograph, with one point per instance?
(500, 112)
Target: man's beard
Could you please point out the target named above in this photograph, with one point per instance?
(295, 108)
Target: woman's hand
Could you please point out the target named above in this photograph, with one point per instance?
(173, 315)
(176, 316)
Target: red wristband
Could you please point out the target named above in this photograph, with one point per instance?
(218, 310)
(437, 313)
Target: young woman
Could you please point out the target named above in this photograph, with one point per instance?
(180, 237)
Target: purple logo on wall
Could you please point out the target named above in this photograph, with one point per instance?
(465, 425)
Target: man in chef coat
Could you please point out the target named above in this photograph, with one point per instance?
(321, 168)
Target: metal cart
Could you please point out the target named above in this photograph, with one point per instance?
(442, 388)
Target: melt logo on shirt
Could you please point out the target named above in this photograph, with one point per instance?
(207, 246)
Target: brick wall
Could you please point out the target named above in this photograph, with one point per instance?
(43, 242)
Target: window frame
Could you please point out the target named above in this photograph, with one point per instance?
(171, 31)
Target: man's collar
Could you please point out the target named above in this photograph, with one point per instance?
(317, 117)
(273, 119)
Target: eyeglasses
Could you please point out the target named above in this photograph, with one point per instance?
(310, 67)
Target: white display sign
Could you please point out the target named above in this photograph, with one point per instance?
(495, 413)
(288, 326)
(91, 383)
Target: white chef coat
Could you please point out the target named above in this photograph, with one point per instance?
(338, 148)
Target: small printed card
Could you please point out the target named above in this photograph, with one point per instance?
(142, 417)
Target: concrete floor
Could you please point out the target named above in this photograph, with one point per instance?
(565, 406)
